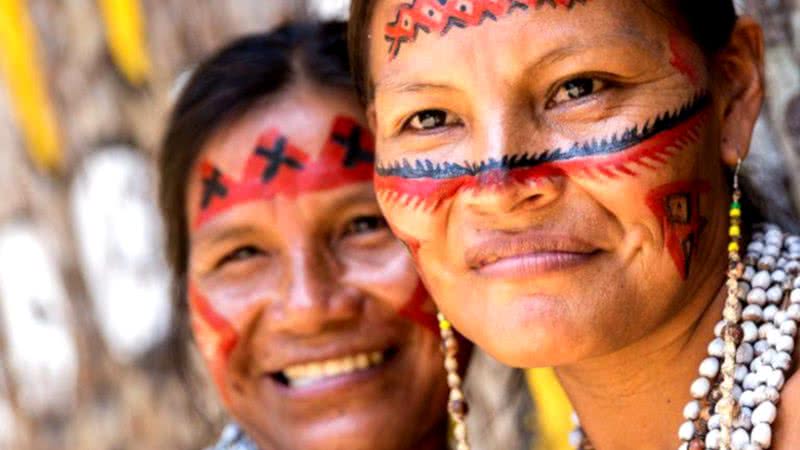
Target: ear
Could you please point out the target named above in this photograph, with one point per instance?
(738, 70)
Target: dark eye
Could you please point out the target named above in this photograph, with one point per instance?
(575, 89)
(240, 254)
(430, 119)
(364, 224)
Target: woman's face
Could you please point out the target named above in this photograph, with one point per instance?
(554, 165)
(308, 312)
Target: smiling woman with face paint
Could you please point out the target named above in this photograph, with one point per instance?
(563, 171)
(309, 314)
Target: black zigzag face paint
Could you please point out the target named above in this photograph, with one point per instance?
(423, 183)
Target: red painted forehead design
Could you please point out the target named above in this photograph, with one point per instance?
(277, 167)
(439, 16)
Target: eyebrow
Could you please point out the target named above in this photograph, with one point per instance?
(216, 234)
(397, 83)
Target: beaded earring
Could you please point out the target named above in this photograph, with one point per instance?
(732, 314)
(457, 404)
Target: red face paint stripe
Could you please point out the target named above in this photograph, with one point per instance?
(677, 206)
(681, 58)
(209, 324)
(429, 193)
(414, 309)
(277, 167)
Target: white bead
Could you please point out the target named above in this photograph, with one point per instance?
(763, 330)
(774, 294)
(752, 312)
(749, 273)
(686, 430)
(709, 368)
(794, 297)
(768, 355)
(684, 446)
(771, 394)
(779, 276)
(712, 439)
(750, 381)
(749, 331)
(760, 346)
(773, 335)
(713, 422)
(780, 317)
(700, 387)
(692, 410)
(745, 419)
(736, 392)
(793, 311)
(747, 399)
(757, 296)
(740, 373)
(782, 361)
(761, 435)
(789, 327)
(755, 247)
(765, 413)
(763, 373)
(717, 348)
(785, 344)
(760, 394)
(739, 439)
(744, 354)
(761, 280)
(776, 379)
(769, 312)
(718, 328)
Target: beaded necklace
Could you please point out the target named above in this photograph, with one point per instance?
(735, 398)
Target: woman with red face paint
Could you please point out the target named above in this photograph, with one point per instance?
(308, 313)
(567, 172)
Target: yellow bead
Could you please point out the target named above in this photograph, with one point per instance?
(736, 212)
(733, 247)
(444, 324)
(735, 231)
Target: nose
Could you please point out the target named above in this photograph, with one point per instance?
(514, 180)
(316, 300)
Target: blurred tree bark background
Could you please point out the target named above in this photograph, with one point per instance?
(137, 403)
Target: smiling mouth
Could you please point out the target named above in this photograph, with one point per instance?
(308, 374)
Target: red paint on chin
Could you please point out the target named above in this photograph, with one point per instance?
(677, 206)
(430, 193)
(329, 171)
(215, 336)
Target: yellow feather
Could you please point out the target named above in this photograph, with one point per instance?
(124, 26)
(20, 68)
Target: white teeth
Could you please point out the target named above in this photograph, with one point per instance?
(306, 374)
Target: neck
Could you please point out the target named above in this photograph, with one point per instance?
(646, 385)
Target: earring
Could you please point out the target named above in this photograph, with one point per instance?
(457, 405)
(732, 314)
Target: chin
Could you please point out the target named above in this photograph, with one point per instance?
(533, 331)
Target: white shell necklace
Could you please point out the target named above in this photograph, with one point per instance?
(735, 398)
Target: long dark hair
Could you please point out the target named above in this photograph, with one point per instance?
(222, 88)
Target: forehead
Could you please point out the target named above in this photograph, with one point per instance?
(438, 35)
(303, 114)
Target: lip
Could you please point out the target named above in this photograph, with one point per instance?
(527, 254)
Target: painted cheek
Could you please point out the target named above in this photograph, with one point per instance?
(420, 310)
(215, 337)
(677, 207)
